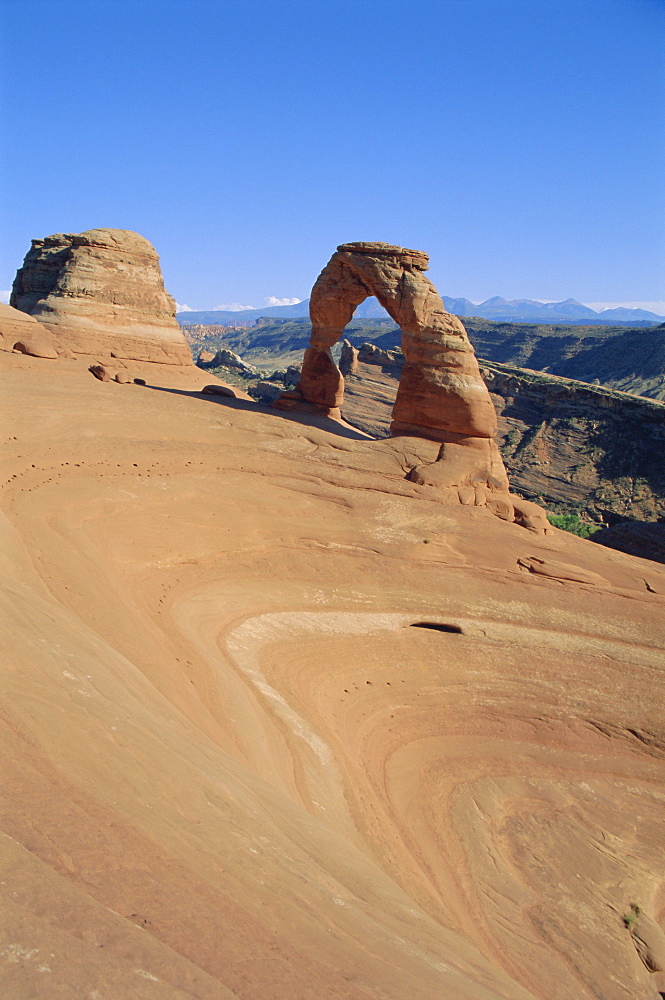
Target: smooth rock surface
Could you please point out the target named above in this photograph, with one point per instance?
(101, 292)
(370, 354)
(649, 940)
(23, 333)
(232, 766)
(229, 391)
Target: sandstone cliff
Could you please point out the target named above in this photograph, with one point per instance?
(580, 444)
(101, 293)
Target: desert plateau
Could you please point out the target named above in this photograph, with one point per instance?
(294, 712)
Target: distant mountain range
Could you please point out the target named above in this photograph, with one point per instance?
(530, 311)
(497, 309)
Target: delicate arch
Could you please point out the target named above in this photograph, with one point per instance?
(441, 394)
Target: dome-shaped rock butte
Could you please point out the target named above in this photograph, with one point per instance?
(101, 293)
(441, 395)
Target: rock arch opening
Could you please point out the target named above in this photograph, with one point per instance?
(441, 394)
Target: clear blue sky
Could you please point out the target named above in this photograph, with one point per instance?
(521, 143)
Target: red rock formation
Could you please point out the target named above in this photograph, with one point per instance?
(223, 358)
(229, 391)
(102, 293)
(19, 332)
(348, 359)
(441, 395)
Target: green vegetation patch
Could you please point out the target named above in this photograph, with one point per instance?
(630, 918)
(573, 524)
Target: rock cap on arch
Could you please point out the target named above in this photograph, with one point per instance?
(400, 255)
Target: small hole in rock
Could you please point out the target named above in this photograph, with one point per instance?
(438, 627)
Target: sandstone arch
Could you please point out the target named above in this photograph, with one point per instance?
(441, 394)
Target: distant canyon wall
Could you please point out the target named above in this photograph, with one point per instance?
(570, 443)
(632, 360)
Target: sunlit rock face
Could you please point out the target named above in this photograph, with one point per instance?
(101, 292)
(441, 395)
(277, 722)
(20, 332)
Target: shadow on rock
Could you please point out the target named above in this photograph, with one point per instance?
(310, 420)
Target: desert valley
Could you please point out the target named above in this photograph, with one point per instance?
(301, 700)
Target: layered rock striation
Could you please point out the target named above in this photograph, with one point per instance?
(101, 293)
(441, 395)
(281, 724)
(596, 449)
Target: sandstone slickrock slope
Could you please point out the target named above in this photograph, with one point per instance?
(23, 333)
(101, 293)
(441, 396)
(277, 722)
